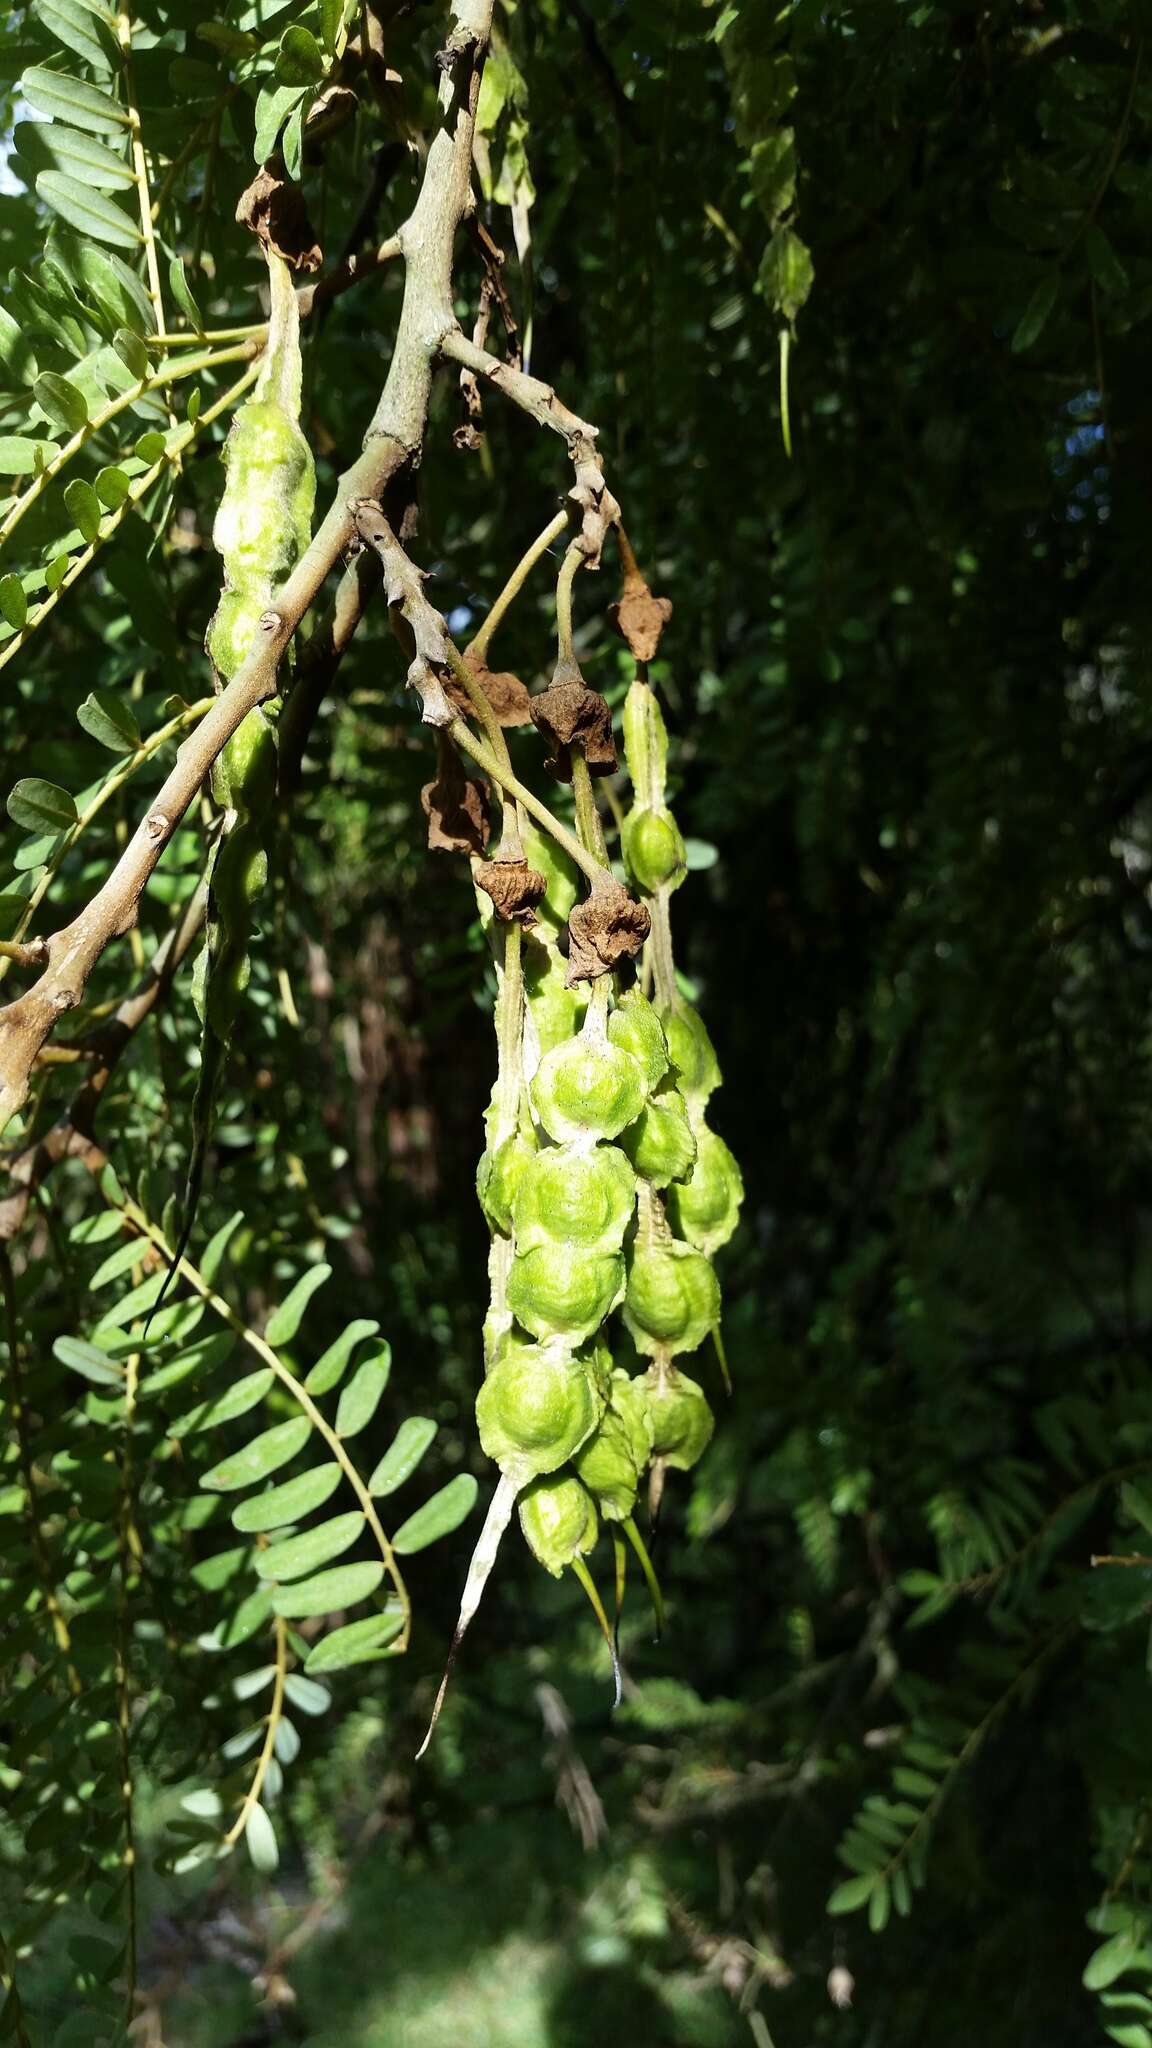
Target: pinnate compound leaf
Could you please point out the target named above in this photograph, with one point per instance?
(299, 1555)
(264, 1455)
(343, 1586)
(438, 1516)
(404, 1453)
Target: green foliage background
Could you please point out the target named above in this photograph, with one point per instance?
(908, 675)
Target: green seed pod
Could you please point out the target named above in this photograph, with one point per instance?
(614, 1458)
(705, 1209)
(682, 1421)
(574, 1197)
(661, 1143)
(499, 1176)
(560, 1290)
(654, 852)
(692, 1052)
(561, 875)
(672, 1299)
(587, 1090)
(536, 1407)
(635, 1027)
(555, 1012)
(558, 1517)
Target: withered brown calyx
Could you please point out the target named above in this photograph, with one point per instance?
(639, 617)
(608, 927)
(455, 806)
(275, 210)
(505, 692)
(570, 714)
(514, 887)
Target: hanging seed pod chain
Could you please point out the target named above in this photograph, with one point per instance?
(605, 1191)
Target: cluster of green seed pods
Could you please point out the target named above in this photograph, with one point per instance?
(604, 1190)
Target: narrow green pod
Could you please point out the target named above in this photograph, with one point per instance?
(536, 1407)
(672, 1298)
(635, 1027)
(682, 1421)
(692, 1052)
(558, 1517)
(662, 1143)
(705, 1208)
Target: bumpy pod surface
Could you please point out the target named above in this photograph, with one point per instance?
(561, 1290)
(653, 849)
(499, 1176)
(555, 1011)
(682, 1421)
(561, 875)
(614, 1458)
(661, 1143)
(705, 1208)
(692, 1052)
(574, 1197)
(587, 1091)
(635, 1027)
(672, 1298)
(558, 1517)
(536, 1407)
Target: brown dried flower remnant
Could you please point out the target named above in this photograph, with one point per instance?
(639, 617)
(514, 887)
(570, 715)
(509, 698)
(454, 806)
(277, 213)
(608, 927)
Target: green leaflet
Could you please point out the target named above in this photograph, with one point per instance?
(263, 1456)
(287, 1502)
(299, 1555)
(343, 1586)
(438, 1516)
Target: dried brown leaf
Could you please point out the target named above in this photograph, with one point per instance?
(639, 617)
(514, 887)
(569, 714)
(277, 213)
(608, 927)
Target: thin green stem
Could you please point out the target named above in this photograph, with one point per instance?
(660, 944)
(587, 815)
(589, 1584)
(649, 1571)
(573, 561)
(140, 169)
(189, 366)
(481, 641)
(268, 1747)
(486, 759)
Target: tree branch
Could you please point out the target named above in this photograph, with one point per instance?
(392, 445)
